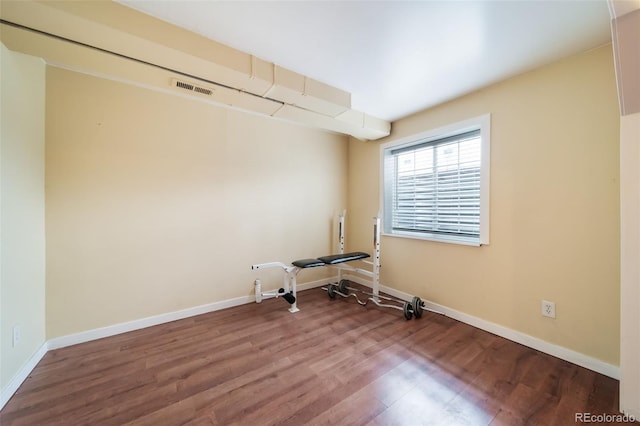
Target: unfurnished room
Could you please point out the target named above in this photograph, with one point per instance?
(319, 212)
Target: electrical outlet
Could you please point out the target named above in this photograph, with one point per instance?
(548, 309)
(15, 336)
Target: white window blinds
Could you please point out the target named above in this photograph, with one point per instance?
(435, 186)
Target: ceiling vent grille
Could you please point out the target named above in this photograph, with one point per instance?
(206, 91)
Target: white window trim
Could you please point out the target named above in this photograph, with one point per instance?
(483, 123)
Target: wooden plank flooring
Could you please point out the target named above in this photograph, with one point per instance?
(334, 362)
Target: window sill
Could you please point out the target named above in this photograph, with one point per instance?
(451, 239)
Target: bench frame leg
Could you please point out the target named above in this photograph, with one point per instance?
(289, 284)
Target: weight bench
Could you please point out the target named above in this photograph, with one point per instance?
(340, 261)
(288, 290)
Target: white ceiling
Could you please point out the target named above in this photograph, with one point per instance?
(397, 57)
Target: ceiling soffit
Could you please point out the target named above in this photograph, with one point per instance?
(113, 41)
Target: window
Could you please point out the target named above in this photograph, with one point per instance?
(436, 184)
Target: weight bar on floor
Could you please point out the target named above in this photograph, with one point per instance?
(342, 289)
(409, 309)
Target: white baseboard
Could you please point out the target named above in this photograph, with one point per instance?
(112, 330)
(22, 374)
(508, 333)
(315, 284)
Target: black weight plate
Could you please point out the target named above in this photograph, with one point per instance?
(331, 291)
(416, 304)
(406, 309)
(343, 287)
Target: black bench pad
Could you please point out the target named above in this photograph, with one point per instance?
(340, 258)
(330, 260)
(307, 263)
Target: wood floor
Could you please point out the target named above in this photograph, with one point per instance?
(334, 362)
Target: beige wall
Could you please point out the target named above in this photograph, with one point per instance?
(157, 203)
(22, 239)
(554, 209)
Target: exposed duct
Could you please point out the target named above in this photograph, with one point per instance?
(113, 41)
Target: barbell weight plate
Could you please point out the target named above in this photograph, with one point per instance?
(331, 291)
(416, 304)
(407, 310)
(343, 287)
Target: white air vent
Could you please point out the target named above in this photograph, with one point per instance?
(185, 85)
